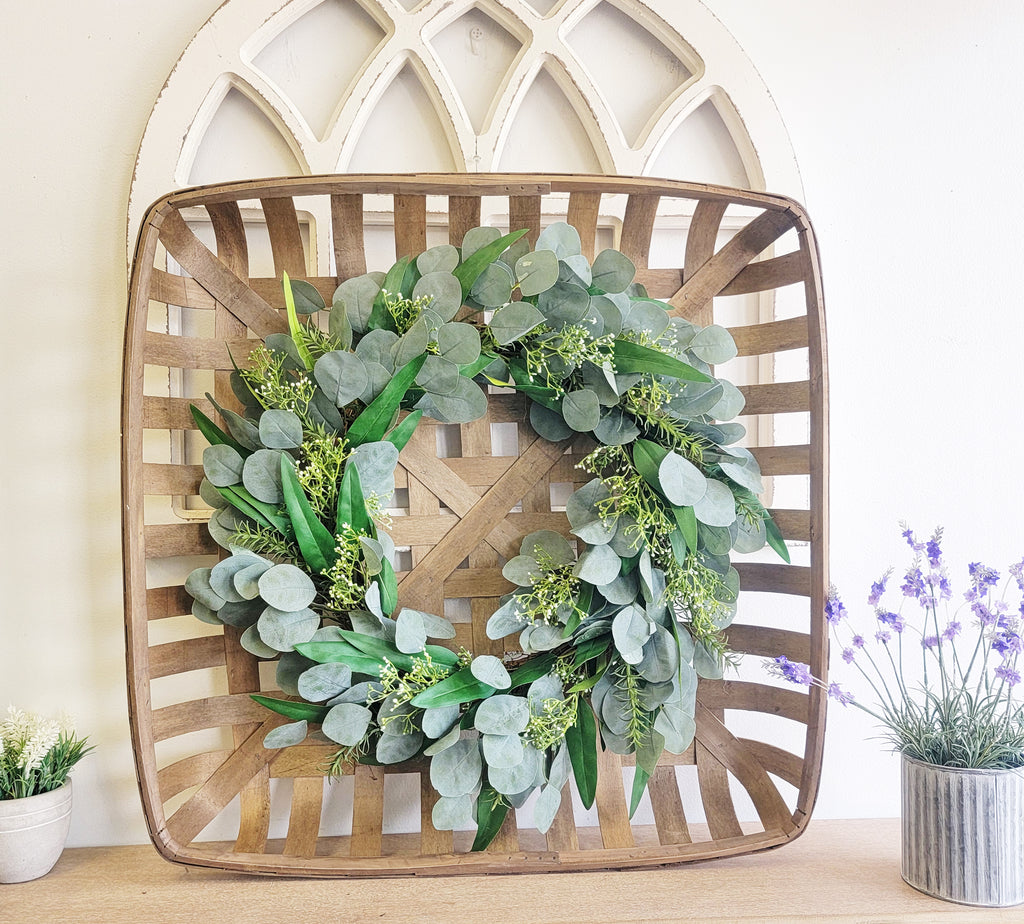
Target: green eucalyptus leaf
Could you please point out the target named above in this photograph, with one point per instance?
(477, 238)
(286, 735)
(713, 344)
(561, 238)
(510, 781)
(412, 343)
(456, 770)
(581, 410)
(211, 495)
(444, 291)
(394, 748)
(549, 424)
(308, 299)
(616, 428)
(493, 286)
(324, 681)
(511, 322)
(549, 543)
(197, 584)
(599, 566)
(730, 404)
(347, 723)
(648, 317)
(583, 511)
(282, 630)
(410, 633)
(223, 465)
(342, 376)
(502, 751)
(612, 271)
(564, 303)
(440, 259)
(439, 376)
(458, 342)
(535, 272)
(445, 741)
(546, 807)
(375, 462)
(261, 476)
(339, 326)
(576, 269)
(522, 570)
(452, 812)
(465, 404)
(357, 296)
(630, 629)
(287, 587)
(489, 669)
(280, 429)
(682, 483)
(744, 470)
(717, 507)
(377, 346)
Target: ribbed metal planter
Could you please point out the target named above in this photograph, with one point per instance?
(963, 833)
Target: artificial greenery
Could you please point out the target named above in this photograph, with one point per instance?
(614, 624)
(36, 754)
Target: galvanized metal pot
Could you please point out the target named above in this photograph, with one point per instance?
(963, 833)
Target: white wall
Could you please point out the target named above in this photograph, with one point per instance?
(906, 121)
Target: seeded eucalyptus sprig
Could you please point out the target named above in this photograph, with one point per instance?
(615, 618)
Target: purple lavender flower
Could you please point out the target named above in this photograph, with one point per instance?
(834, 608)
(913, 583)
(932, 550)
(1007, 643)
(848, 655)
(1008, 674)
(837, 693)
(878, 588)
(982, 576)
(930, 641)
(793, 671)
(952, 630)
(858, 641)
(883, 636)
(893, 620)
(1017, 572)
(984, 615)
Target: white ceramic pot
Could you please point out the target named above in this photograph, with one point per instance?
(963, 833)
(32, 833)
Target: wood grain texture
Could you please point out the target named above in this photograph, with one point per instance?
(838, 871)
(466, 514)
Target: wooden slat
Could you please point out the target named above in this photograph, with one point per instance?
(766, 642)
(524, 212)
(304, 817)
(229, 232)
(768, 803)
(244, 763)
(715, 795)
(410, 225)
(195, 352)
(779, 579)
(638, 226)
(190, 771)
(432, 841)
(182, 291)
(612, 811)
(218, 279)
(285, 237)
(582, 213)
(783, 460)
(367, 811)
(163, 479)
(168, 541)
(754, 697)
(160, 413)
(347, 233)
(793, 524)
(768, 274)
(776, 398)
(163, 602)
(463, 216)
(437, 564)
(208, 712)
(772, 337)
(562, 834)
(701, 242)
(775, 760)
(668, 806)
(713, 275)
(188, 655)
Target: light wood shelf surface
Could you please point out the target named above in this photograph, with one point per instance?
(838, 871)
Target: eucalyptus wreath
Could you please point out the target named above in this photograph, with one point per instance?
(614, 625)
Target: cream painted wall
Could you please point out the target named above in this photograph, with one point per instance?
(906, 121)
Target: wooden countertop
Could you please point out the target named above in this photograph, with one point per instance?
(838, 871)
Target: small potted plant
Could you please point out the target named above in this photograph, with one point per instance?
(36, 755)
(944, 678)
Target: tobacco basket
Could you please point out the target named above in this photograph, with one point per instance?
(206, 282)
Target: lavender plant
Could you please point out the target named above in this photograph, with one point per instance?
(36, 754)
(963, 711)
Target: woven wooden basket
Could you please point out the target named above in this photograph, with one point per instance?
(213, 795)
